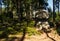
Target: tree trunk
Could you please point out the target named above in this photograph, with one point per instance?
(54, 14)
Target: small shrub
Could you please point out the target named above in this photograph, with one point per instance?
(32, 31)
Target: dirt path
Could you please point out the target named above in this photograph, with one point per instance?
(52, 36)
(44, 37)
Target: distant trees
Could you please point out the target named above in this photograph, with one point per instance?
(55, 6)
(18, 14)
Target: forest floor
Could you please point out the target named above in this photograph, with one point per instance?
(52, 36)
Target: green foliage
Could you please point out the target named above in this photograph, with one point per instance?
(15, 25)
(1, 32)
(10, 30)
(58, 29)
(28, 1)
(57, 19)
(31, 23)
(32, 31)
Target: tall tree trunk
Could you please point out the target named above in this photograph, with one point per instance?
(54, 14)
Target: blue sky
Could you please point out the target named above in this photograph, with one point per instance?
(50, 2)
(1, 3)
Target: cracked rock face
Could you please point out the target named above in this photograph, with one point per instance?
(42, 25)
(43, 16)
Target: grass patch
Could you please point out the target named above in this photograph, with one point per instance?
(32, 31)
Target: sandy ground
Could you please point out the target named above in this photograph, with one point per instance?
(44, 37)
(52, 36)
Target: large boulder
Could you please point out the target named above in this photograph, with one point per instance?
(41, 14)
(42, 25)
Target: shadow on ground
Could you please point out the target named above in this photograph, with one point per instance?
(46, 32)
(15, 38)
(58, 28)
